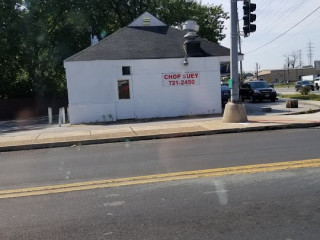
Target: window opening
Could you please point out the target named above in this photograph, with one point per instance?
(126, 70)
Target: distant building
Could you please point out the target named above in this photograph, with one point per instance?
(284, 75)
(145, 70)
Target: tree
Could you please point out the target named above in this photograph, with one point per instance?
(55, 30)
(211, 20)
(291, 60)
(36, 36)
(294, 56)
(12, 82)
(174, 13)
(286, 61)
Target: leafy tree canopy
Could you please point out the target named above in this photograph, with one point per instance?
(36, 36)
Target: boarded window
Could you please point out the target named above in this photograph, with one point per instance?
(124, 89)
(126, 70)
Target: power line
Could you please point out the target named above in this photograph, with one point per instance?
(285, 31)
(264, 11)
(284, 14)
(289, 10)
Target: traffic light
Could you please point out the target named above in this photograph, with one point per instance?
(248, 17)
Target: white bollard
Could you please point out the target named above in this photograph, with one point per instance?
(50, 115)
(63, 115)
(60, 117)
(68, 115)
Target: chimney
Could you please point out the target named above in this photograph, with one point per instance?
(192, 44)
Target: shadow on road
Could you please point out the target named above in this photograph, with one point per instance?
(278, 107)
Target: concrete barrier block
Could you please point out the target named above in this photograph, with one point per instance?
(292, 103)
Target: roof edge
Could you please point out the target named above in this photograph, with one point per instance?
(78, 53)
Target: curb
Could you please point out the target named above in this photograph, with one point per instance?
(156, 136)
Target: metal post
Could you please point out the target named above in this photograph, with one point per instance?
(68, 115)
(241, 70)
(239, 39)
(234, 52)
(50, 115)
(234, 111)
(60, 117)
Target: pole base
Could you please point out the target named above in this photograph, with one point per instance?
(234, 113)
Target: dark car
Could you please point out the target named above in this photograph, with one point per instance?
(225, 94)
(304, 83)
(257, 91)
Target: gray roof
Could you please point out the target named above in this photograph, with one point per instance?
(145, 42)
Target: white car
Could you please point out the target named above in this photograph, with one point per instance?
(316, 83)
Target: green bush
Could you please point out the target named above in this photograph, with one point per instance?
(311, 96)
(305, 90)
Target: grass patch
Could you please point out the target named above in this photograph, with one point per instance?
(284, 85)
(314, 97)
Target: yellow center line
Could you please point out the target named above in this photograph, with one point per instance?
(109, 183)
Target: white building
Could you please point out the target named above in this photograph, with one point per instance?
(145, 70)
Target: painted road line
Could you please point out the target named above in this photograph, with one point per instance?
(109, 183)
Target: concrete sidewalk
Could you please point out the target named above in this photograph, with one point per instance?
(69, 135)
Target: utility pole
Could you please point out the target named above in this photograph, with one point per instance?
(300, 59)
(241, 70)
(234, 52)
(257, 70)
(89, 28)
(310, 52)
(288, 59)
(234, 111)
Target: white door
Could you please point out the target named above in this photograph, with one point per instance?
(125, 102)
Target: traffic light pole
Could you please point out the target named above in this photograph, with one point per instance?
(239, 39)
(234, 111)
(234, 52)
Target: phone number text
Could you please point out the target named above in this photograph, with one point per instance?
(181, 82)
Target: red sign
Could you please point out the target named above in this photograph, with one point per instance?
(180, 79)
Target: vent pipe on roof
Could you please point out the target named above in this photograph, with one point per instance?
(190, 26)
(191, 44)
(94, 40)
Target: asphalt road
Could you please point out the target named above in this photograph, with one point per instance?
(114, 160)
(279, 205)
(273, 205)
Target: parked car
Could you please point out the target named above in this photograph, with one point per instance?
(257, 91)
(304, 83)
(225, 94)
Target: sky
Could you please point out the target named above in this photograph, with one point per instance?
(274, 18)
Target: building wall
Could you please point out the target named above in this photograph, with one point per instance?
(93, 89)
